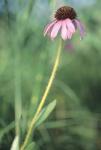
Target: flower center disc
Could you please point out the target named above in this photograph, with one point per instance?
(65, 12)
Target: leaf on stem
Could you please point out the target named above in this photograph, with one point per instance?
(15, 144)
(32, 146)
(45, 113)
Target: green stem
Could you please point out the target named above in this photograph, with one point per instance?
(17, 81)
(51, 79)
(53, 4)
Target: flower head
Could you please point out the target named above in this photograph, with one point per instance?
(65, 22)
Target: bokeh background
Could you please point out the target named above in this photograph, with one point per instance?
(26, 60)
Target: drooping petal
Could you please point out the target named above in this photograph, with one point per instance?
(74, 23)
(64, 33)
(70, 25)
(80, 27)
(69, 34)
(55, 29)
(48, 27)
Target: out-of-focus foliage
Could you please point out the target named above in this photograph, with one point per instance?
(26, 59)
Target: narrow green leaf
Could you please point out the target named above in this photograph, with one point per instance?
(31, 146)
(15, 144)
(45, 113)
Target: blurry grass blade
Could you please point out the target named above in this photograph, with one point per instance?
(45, 113)
(31, 146)
(15, 144)
(39, 74)
(6, 130)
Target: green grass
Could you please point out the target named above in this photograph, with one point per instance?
(26, 61)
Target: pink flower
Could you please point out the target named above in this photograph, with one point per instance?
(66, 23)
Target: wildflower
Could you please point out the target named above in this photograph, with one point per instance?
(66, 22)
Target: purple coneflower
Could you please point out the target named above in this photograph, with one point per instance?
(66, 22)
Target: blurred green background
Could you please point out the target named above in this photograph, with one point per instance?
(26, 60)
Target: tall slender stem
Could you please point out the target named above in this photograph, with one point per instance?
(51, 79)
(18, 103)
(54, 4)
(17, 82)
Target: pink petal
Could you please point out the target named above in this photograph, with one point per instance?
(48, 27)
(81, 28)
(69, 34)
(75, 24)
(70, 25)
(64, 33)
(55, 29)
